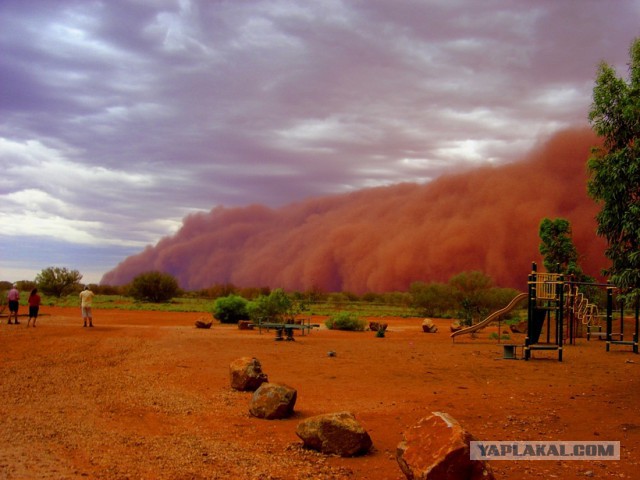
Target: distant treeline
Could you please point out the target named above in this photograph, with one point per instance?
(468, 295)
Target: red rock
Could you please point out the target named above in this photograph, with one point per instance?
(437, 448)
(428, 326)
(246, 374)
(334, 434)
(272, 401)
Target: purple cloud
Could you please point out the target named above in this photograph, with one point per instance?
(120, 118)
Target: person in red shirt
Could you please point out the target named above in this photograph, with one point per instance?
(34, 306)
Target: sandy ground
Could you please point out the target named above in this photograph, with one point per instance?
(146, 396)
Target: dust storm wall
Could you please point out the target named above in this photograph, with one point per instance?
(383, 239)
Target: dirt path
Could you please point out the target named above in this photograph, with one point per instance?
(146, 395)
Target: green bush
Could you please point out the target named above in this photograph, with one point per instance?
(276, 307)
(345, 321)
(230, 309)
(432, 299)
(154, 287)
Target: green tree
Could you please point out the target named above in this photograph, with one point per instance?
(57, 281)
(556, 247)
(559, 253)
(275, 307)
(230, 309)
(432, 299)
(154, 287)
(471, 291)
(614, 169)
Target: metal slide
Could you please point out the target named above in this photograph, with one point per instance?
(494, 316)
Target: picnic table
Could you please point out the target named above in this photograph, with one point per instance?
(284, 330)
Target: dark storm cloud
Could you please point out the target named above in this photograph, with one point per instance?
(119, 118)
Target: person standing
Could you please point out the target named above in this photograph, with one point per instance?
(86, 299)
(14, 303)
(34, 306)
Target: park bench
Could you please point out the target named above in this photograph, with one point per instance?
(284, 331)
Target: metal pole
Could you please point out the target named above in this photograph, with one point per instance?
(571, 312)
(530, 306)
(621, 323)
(560, 316)
(609, 316)
(635, 335)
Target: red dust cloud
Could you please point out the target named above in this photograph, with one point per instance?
(383, 239)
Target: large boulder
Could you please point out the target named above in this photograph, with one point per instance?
(246, 374)
(437, 448)
(334, 434)
(272, 401)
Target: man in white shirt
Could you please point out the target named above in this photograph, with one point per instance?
(86, 298)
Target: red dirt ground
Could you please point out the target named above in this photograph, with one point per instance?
(146, 395)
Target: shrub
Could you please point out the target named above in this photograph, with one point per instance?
(251, 293)
(219, 290)
(154, 287)
(345, 321)
(371, 297)
(276, 307)
(403, 299)
(230, 309)
(432, 299)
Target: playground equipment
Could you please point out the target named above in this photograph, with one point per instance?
(551, 297)
(493, 317)
(587, 314)
(546, 296)
(546, 302)
(620, 335)
(581, 312)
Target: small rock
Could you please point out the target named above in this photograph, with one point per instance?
(428, 326)
(455, 326)
(245, 325)
(203, 323)
(377, 326)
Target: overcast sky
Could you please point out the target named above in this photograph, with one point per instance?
(120, 117)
